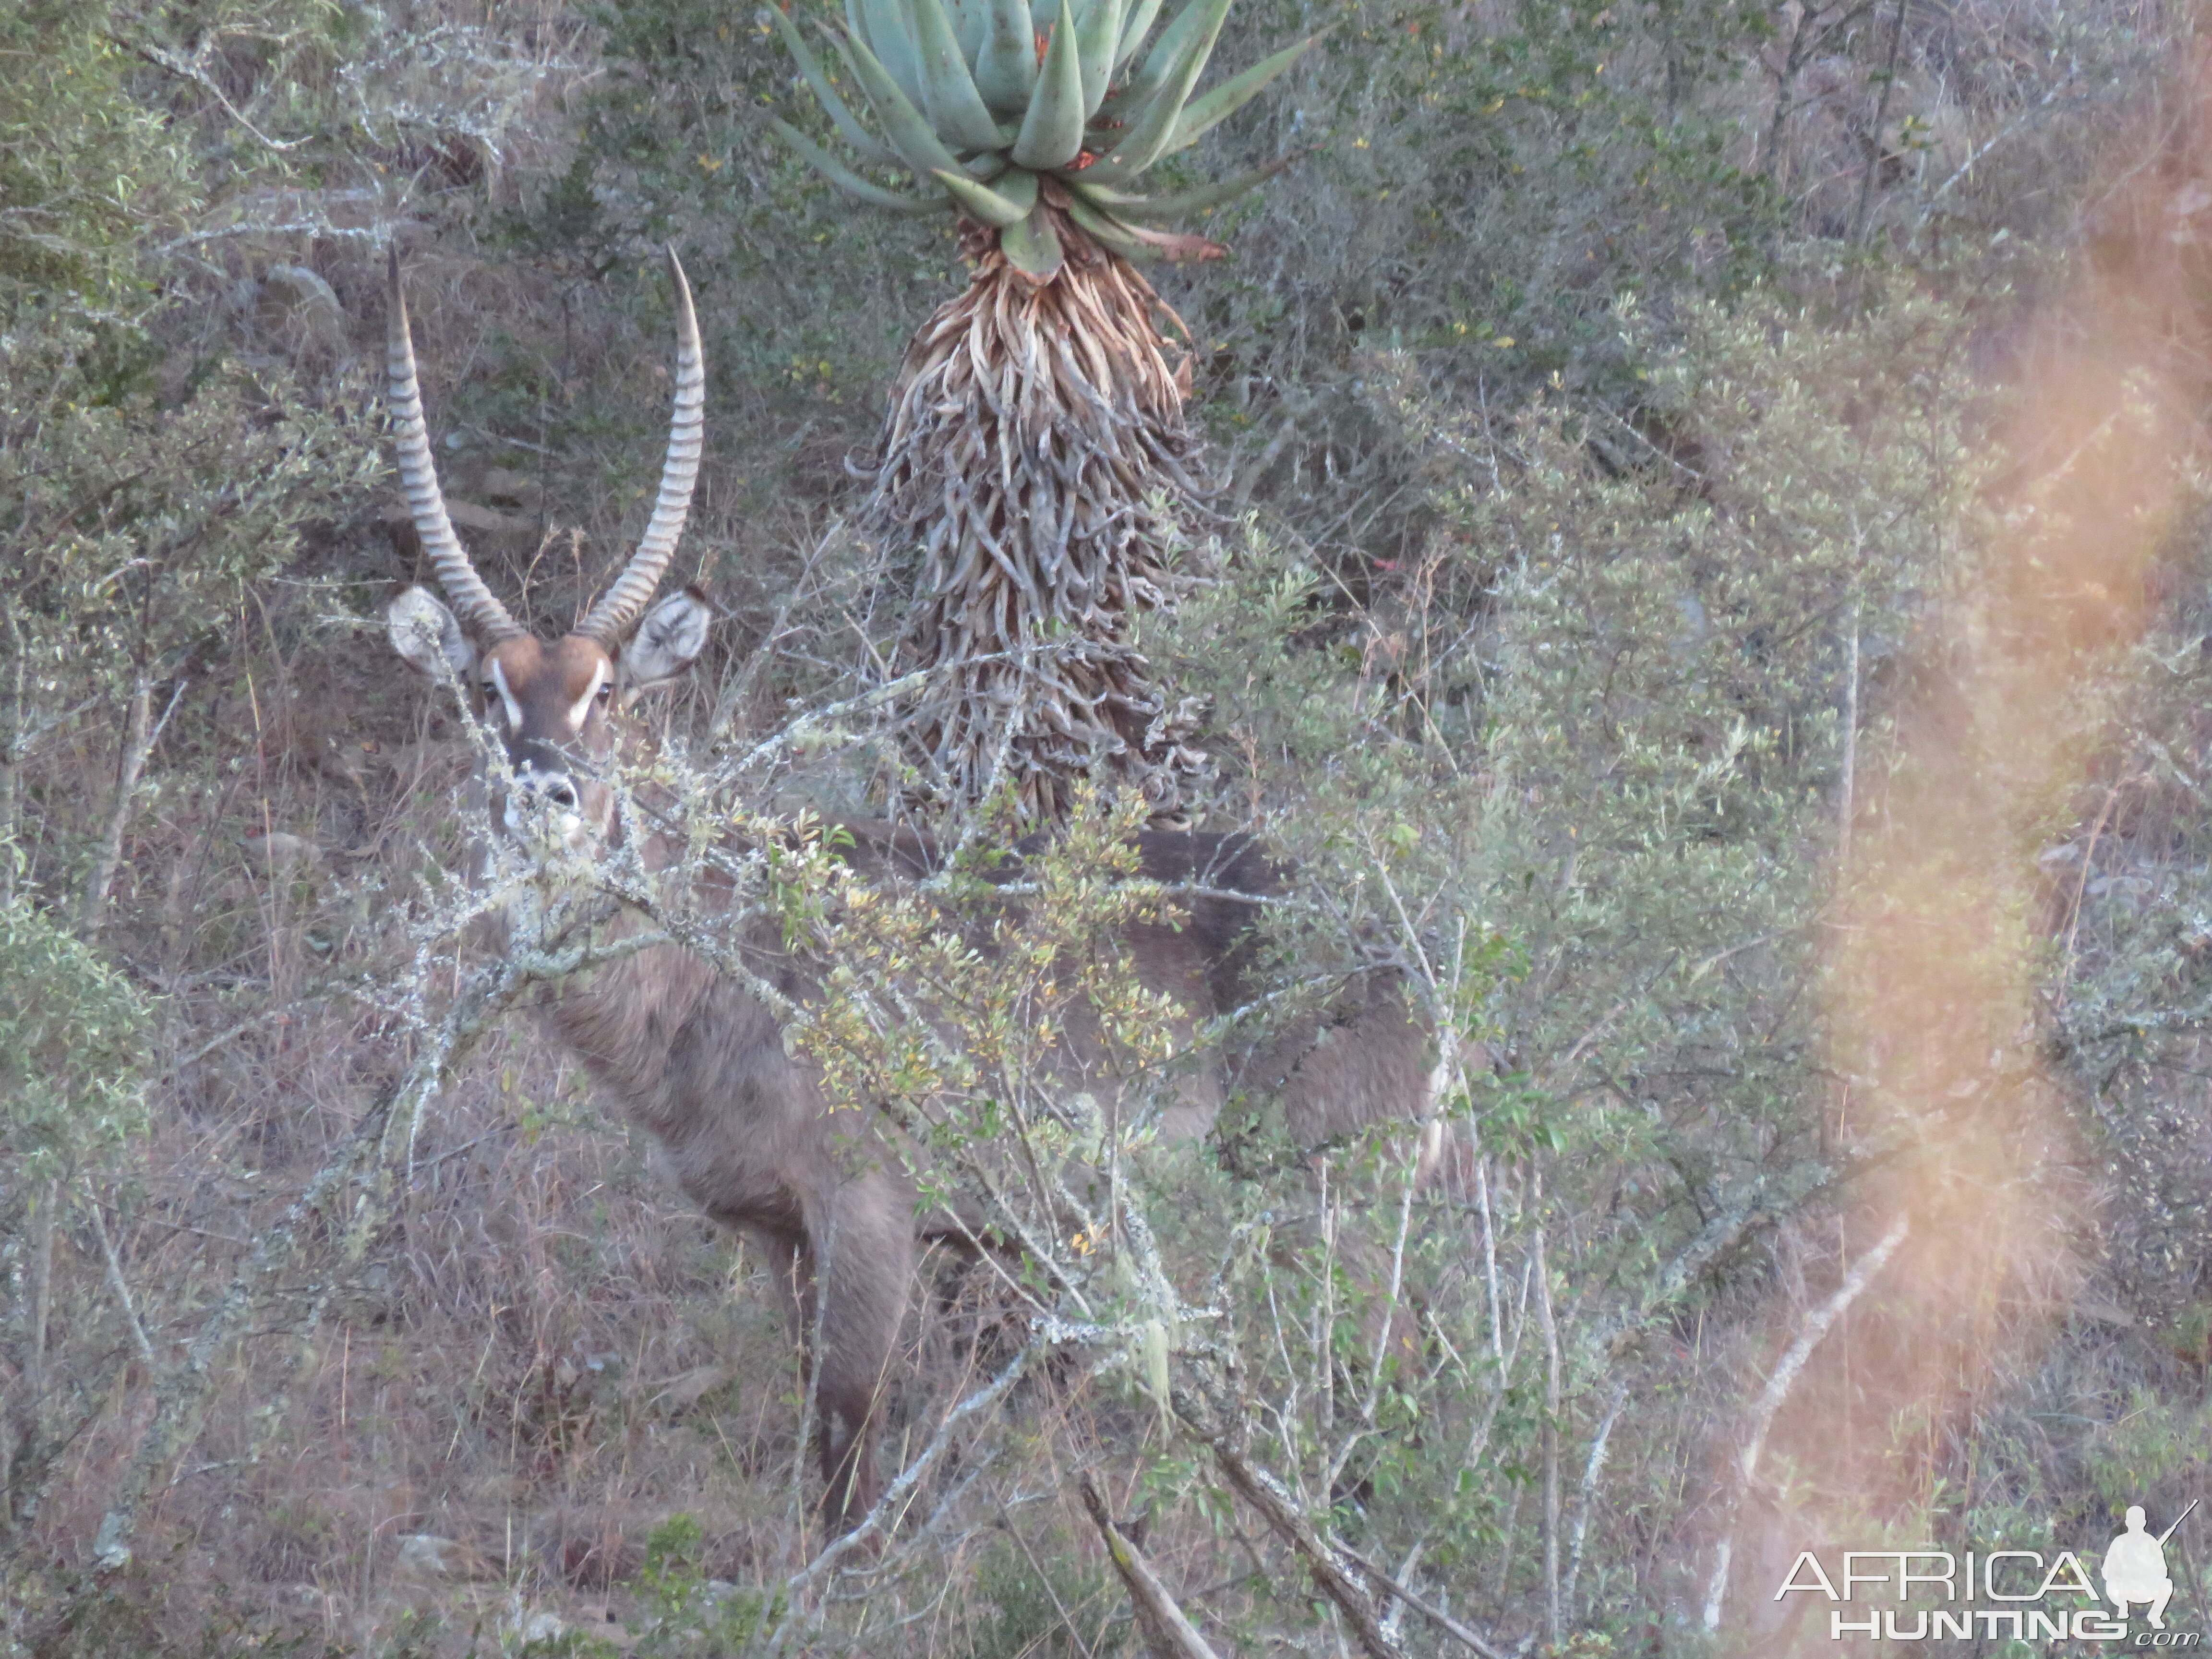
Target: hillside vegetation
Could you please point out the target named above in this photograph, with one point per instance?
(1705, 585)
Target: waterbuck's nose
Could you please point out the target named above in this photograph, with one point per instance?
(550, 784)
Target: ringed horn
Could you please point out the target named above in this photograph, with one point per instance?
(623, 603)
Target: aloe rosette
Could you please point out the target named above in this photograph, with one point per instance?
(1028, 115)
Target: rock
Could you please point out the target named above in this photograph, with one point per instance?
(283, 853)
(425, 1555)
(510, 488)
(486, 520)
(541, 1626)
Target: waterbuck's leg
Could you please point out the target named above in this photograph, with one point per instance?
(791, 1274)
(864, 1261)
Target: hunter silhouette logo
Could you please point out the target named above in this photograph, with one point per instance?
(2135, 1567)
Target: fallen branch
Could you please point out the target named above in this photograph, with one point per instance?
(1167, 1634)
(1289, 1523)
(1436, 1616)
(1777, 1390)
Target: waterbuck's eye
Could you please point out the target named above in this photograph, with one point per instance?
(606, 691)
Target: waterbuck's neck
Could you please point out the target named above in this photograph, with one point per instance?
(648, 1024)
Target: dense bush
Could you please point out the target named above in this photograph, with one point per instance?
(1610, 408)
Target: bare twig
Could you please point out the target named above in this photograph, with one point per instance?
(1587, 1496)
(140, 734)
(191, 71)
(1862, 218)
(1777, 1390)
(116, 1283)
(1552, 1405)
(357, 1173)
(892, 1503)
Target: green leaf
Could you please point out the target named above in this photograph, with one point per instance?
(1162, 209)
(1139, 241)
(1107, 231)
(872, 148)
(1166, 52)
(1032, 246)
(971, 19)
(907, 127)
(890, 37)
(1232, 94)
(1009, 204)
(845, 179)
(956, 109)
(1006, 68)
(1098, 37)
(1148, 136)
(1139, 19)
(1052, 131)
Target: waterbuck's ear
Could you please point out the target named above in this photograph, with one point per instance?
(424, 632)
(668, 641)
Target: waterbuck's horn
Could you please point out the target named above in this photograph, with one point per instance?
(418, 477)
(625, 602)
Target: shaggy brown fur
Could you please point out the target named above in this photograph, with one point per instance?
(699, 1060)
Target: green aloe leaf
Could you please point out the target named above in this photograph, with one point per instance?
(907, 127)
(845, 180)
(1147, 136)
(1052, 132)
(1139, 241)
(1206, 113)
(1167, 51)
(1033, 247)
(1006, 67)
(1107, 231)
(890, 37)
(1164, 209)
(872, 148)
(1139, 20)
(1098, 37)
(1007, 204)
(956, 109)
(970, 18)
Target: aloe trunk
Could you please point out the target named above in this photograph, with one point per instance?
(1036, 458)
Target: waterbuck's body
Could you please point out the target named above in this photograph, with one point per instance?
(698, 1057)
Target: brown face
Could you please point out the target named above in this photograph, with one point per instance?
(550, 704)
(553, 704)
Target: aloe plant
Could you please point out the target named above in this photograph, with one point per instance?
(1025, 115)
(1035, 458)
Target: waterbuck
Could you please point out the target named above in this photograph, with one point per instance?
(697, 1056)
